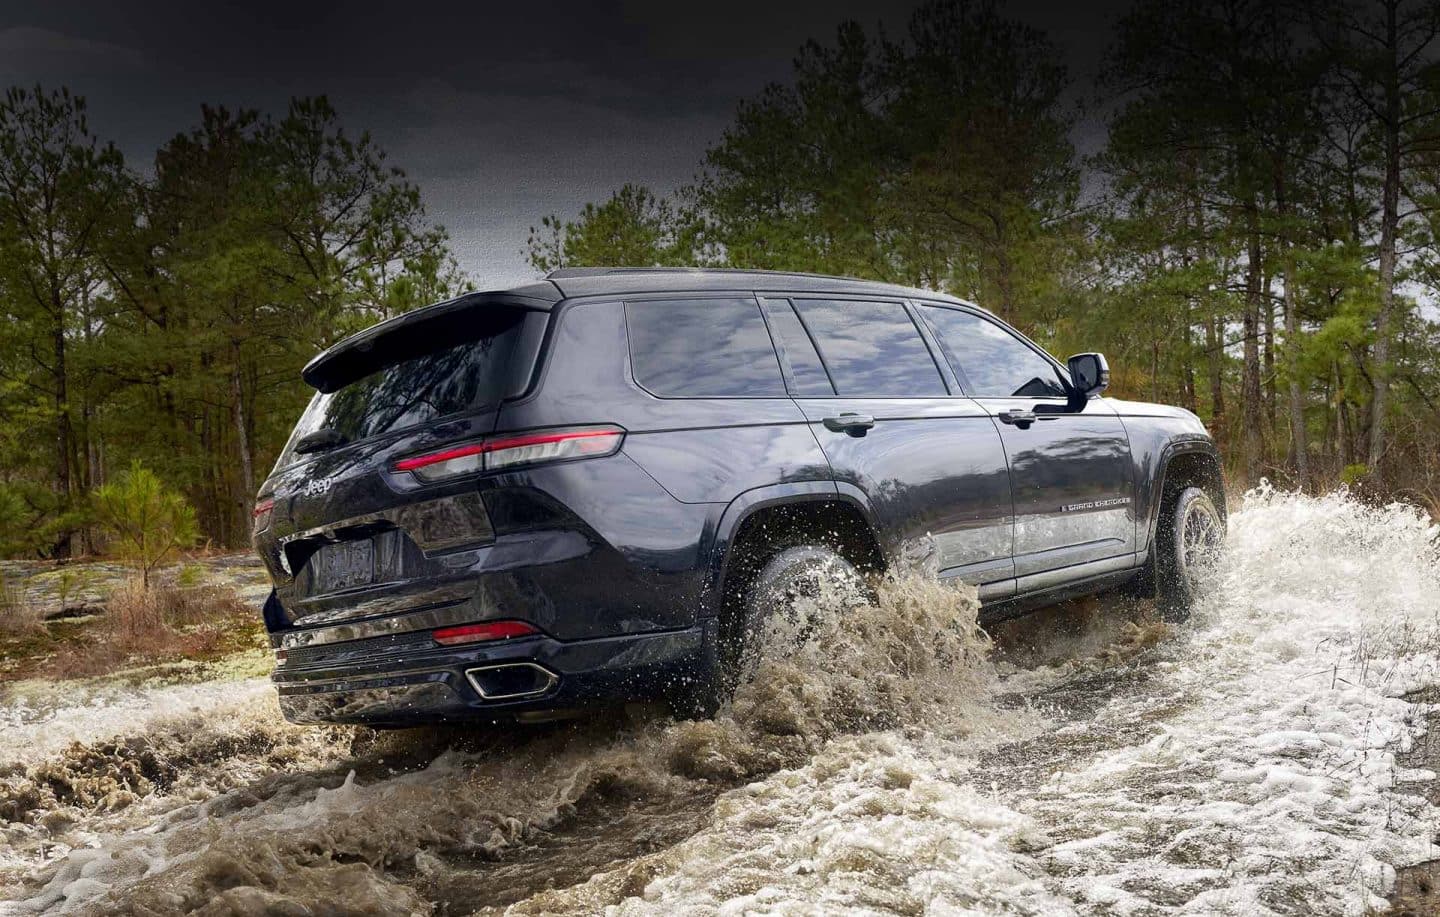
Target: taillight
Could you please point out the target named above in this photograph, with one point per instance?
(477, 633)
(447, 464)
(510, 451)
(552, 447)
(260, 515)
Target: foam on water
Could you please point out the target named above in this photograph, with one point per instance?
(1248, 768)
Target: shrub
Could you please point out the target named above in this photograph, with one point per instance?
(190, 576)
(1354, 474)
(165, 621)
(144, 520)
(136, 616)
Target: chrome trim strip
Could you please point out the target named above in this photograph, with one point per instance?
(1000, 589)
(1059, 577)
(551, 680)
(344, 684)
(430, 619)
(434, 525)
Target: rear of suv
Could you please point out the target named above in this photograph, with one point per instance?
(523, 503)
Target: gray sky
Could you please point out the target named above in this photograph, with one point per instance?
(500, 112)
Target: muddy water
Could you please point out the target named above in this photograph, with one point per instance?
(894, 761)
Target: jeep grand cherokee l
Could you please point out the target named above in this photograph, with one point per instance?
(518, 503)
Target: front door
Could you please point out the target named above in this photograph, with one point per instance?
(1070, 473)
(929, 463)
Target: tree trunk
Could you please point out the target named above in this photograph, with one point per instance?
(242, 437)
(1389, 229)
(1190, 254)
(1187, 360)
(1299, 444)
(1216, 372)
(65, 545)
(1155, 369)
(1267, 363)
(213, 508)
(1342, 427)
(1252, 406)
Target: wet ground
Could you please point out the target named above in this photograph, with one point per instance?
(1270, 756)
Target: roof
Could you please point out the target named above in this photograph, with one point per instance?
(342, 361)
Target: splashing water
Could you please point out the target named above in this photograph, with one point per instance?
(1244, 763)
(304, 836)
(1246, 767)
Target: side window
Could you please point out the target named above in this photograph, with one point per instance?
(703, 348)
(994, 362)
(872, 349)
(797, 349)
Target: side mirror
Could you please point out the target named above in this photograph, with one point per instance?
(1089, 373)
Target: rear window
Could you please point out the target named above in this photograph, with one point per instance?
(703, 348)
(492, 361)
(872, 349)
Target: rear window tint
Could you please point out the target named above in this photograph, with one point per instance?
(492, 362)
(872, 349)
(796, 349)
(703, 348)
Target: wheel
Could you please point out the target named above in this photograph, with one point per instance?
(775, 611)
(1187, 545)
(788, 600)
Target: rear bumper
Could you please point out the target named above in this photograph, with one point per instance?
(407, 680)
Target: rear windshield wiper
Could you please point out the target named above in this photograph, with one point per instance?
(319, 441)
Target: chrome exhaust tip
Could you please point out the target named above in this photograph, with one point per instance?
(511, 680)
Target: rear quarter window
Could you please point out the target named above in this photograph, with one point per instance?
(702, 348)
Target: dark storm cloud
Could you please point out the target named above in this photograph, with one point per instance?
(501, 112)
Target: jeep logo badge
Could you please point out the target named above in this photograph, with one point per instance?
(317, 487)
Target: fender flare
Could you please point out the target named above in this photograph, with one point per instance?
(734, 514)
(1188, 446)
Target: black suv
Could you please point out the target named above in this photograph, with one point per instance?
(520, 503)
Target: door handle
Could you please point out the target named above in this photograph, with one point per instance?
(1021, 419)
(853, 424)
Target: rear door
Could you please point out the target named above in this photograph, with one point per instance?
(1070, 473)
(929, 460)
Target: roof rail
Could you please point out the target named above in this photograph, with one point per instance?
(564, 272)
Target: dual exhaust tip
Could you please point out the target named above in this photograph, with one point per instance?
(511, 680)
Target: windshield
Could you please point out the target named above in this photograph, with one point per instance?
(470, 376)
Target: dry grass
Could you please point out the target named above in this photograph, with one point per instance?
(160, 624)
(19, 617)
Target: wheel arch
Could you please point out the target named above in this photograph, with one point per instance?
(1188, 462)
(814, 506)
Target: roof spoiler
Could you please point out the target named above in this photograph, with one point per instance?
(413, 334)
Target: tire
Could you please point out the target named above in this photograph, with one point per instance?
(785, 585)
(1187, 544)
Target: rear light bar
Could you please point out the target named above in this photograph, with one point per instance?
(260, 515)
(478, 633)
(509, 451)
